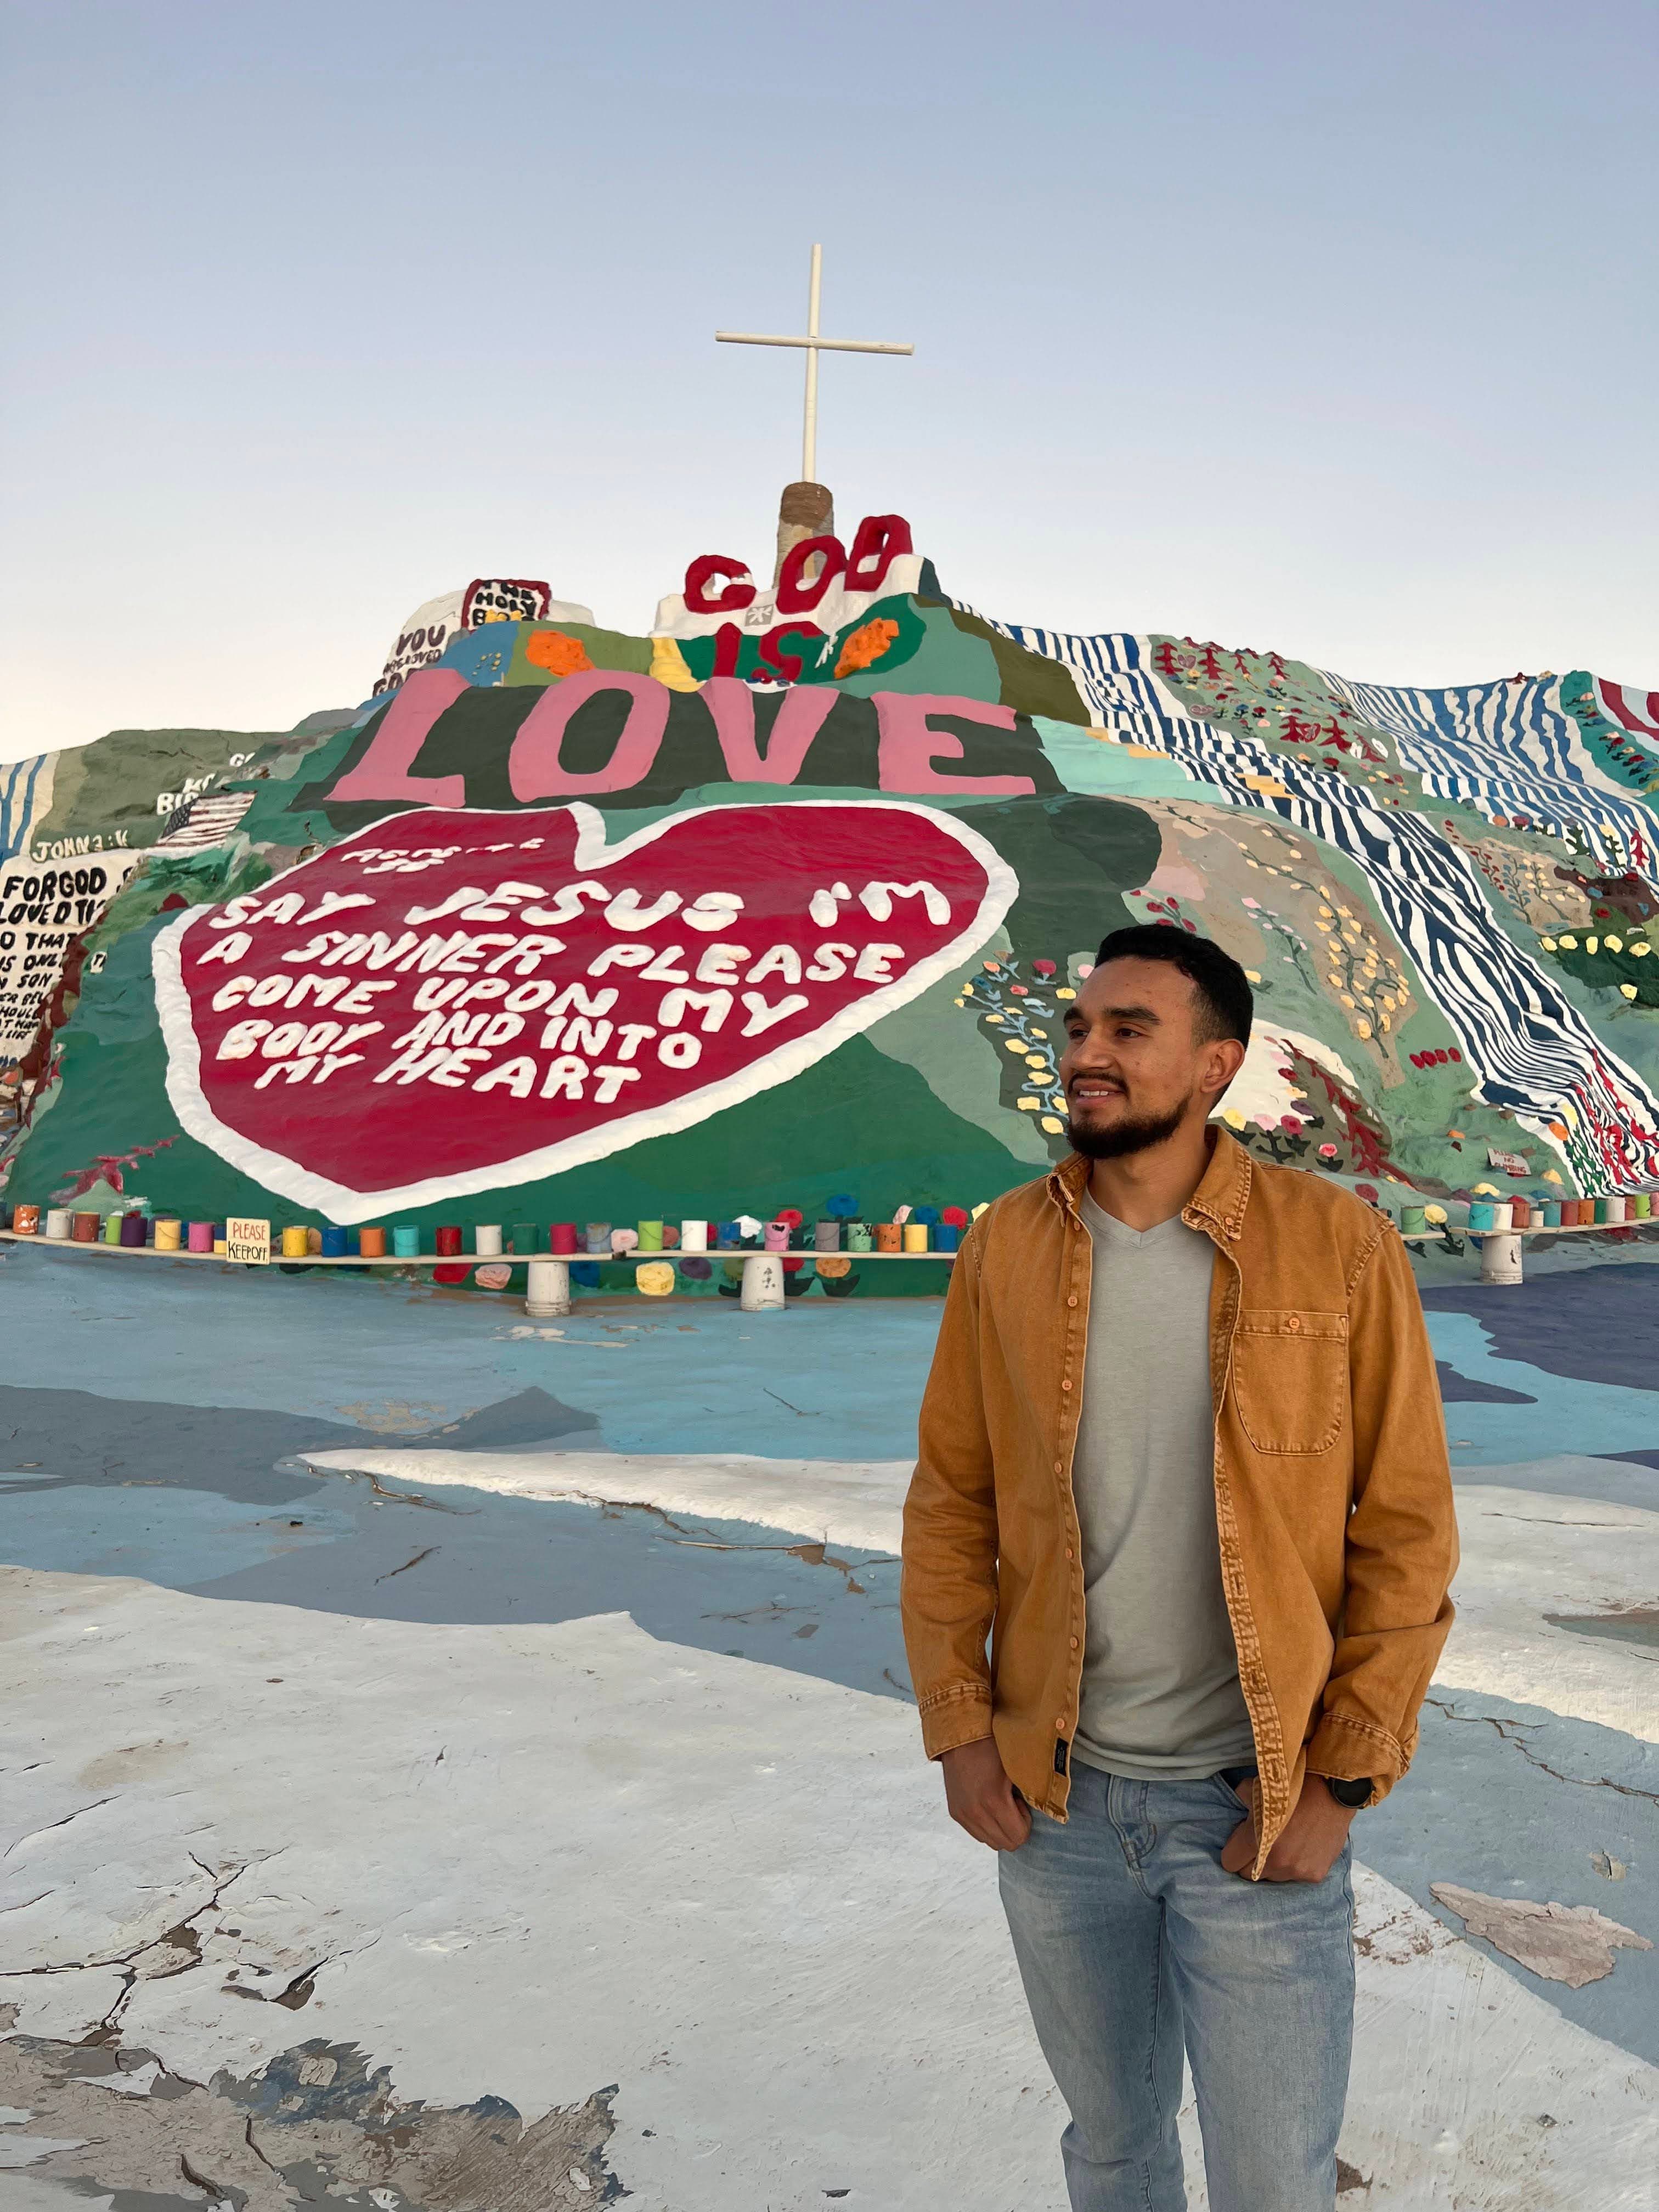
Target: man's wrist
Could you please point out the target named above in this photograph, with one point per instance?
(1351, 1795)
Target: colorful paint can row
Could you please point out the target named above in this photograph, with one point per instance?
(1500, 1217)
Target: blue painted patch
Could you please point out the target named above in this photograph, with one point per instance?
(175, 1538)
(1563, 1415)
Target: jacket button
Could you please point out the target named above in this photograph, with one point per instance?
(1066, 1384)
(1074, 1643)
(1059, 1468)
(1070, 1554)
(1294, 1323)
(1059, 1725)
(1072, 1301)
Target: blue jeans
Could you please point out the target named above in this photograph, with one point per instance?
(1131, 1940)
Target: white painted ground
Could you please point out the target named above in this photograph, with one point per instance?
(1525, 1553)
(541, 1860)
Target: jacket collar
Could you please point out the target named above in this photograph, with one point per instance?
(1217, 1204)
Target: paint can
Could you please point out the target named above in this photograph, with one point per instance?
(26, 1220)
(857, 1236)
(371, 1242)
(1616, 1209)
(295, 1243)
(334, 1242)
(947, 1237)
(777, 1236)
(1520, 1213)
(1552, 1213)
(1500, 1259)
(169, 1234)
(598, 1236)
(446, 1242)
(890, 1236)
(728, 1237)
(548, 1290)
(694, 1235)
(131, 1231)
(111, 1230)
(523, 1239)
(1602, 1210)
(57, 1224)
(487, 1240)
(1502, 1214)
(826, 1235)
(1641, 1208)
(763, 1288)
(199, 1237)
(916, 1236)
(84, 1228)
(650, 1236)
(1414, 1221)
(1481, 1214)
(406, 1240)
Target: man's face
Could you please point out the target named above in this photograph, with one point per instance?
(1134, 1070)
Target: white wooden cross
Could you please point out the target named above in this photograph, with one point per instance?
(815, 345)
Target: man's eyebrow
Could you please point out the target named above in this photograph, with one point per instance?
(1130, 1014)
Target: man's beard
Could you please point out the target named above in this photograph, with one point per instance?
(1123, 1138)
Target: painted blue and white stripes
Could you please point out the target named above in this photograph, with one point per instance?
(1511, 749)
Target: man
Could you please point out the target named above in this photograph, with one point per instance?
(1182, 1459)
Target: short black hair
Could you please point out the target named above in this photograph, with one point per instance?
(1226, 1005)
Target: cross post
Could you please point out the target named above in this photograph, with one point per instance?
(813, 345)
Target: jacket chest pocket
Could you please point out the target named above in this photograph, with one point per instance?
(1291, 1379)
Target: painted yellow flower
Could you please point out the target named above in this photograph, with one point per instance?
(1567, 944)
(1252, 976)
(1232, 1117)
(1613, 944)
(1435, 1216)
(1629, 990)
(1640, 951)
(1550, 1176)
(1052, 1126)
(1364, 1027)
(1066, 992)
(1592, 945)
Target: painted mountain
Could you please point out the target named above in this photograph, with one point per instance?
(784, 899)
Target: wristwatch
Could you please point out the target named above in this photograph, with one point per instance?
(1350, 1793)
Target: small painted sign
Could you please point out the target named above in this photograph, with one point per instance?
(248, 1241)
(1511, 1164)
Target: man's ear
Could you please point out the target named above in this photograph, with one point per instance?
(1225, 1056)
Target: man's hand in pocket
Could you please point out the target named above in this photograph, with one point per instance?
(982, 1798)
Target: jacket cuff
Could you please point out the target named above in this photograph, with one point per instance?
(1344, 1750)
(954, 1717)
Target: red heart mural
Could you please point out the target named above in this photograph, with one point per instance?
(456, 1000)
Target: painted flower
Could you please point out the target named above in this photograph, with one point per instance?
(1328, 1151)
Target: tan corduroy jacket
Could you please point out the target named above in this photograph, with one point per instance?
(1332, 1494)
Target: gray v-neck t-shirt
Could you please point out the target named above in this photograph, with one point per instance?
(1161, 1696)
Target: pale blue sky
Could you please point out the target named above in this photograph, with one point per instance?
(1330, 327)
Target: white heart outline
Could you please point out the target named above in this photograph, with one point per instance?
(275, 1172)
